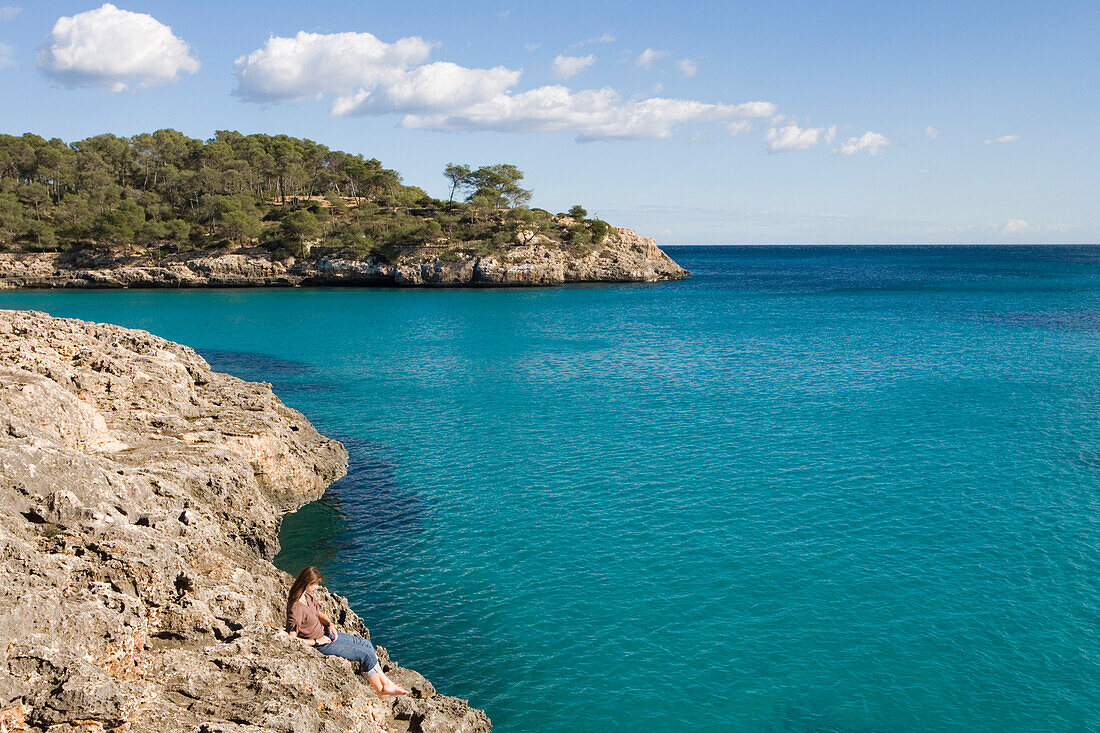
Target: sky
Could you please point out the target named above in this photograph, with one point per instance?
(697, 123)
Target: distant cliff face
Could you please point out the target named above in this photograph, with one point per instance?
(140, 501)
(623, 256)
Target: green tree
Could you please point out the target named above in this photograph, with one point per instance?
(120, 225)
(12, 221)
(300, 225)
(578, 212)
(459, 176)
(499, 184)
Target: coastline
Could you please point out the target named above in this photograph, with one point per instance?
(623, 257)
(142, 498)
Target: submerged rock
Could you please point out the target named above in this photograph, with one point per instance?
(140, 501)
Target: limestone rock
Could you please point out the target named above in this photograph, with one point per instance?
(623, 256)
(140, 501)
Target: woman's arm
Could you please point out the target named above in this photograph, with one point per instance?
(327, 623)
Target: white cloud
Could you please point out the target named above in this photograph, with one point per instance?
(432, 88)
(687, 67)
(1014, 226)
(367, 76)
(792, 137)
(311, 64)
(594, 114)
(114, 49)
(1003, 139)
(567, 66)
(7, 56)
(531, 46)
(8, 12)
(872, 142)
(647, 57)
(931, 132)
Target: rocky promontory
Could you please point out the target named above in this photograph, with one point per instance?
(623, 256)
(140, 502)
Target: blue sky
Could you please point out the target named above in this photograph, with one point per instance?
(702, 123)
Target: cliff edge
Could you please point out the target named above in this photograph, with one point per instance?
(140, 502)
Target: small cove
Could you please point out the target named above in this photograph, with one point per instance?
(843, 489)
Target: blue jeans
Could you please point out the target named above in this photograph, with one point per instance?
(354, 648)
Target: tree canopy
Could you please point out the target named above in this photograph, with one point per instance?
(164, 190)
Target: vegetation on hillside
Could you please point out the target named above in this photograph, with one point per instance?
(164, 193)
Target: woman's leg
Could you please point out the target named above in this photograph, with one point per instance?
(361, 650)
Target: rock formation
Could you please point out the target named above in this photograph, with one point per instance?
(140, 501)
(623, 256)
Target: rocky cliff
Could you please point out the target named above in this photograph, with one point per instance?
(140, 501)
(623, 256)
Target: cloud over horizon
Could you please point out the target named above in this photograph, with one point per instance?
(368, 76)
(114, 49)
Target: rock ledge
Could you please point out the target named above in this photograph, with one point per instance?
(624, 256)
(140, 501)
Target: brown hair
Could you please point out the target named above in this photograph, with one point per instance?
(308, 575)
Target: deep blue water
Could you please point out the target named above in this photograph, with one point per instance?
(807, 489)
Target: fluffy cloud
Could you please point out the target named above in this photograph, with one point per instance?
(647, 57)
(311, 64)
(595, 114)
(567, 66)
(1014, 226)
(1003, 139)
(687, 67)
(8, 12)
(430, 88)
(872, 142)
(792, 137)
(367, 76)
(931, 132)
(114, 49)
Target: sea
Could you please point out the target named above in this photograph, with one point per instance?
(807, 489)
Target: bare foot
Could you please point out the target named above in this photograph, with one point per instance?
(391, 690)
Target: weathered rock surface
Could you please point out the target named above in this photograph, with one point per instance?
(624, 256)
(140, 500)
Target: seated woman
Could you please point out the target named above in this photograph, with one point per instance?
(305, 621)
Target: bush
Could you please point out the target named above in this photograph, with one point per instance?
(599, 228)
(579, 234)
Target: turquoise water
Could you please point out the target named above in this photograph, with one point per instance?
(808, 489)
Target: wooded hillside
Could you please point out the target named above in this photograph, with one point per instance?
(166, 192)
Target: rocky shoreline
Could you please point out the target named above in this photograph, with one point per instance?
(623, 256)
(140, 502)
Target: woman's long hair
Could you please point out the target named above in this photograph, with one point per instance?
(308, 575)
